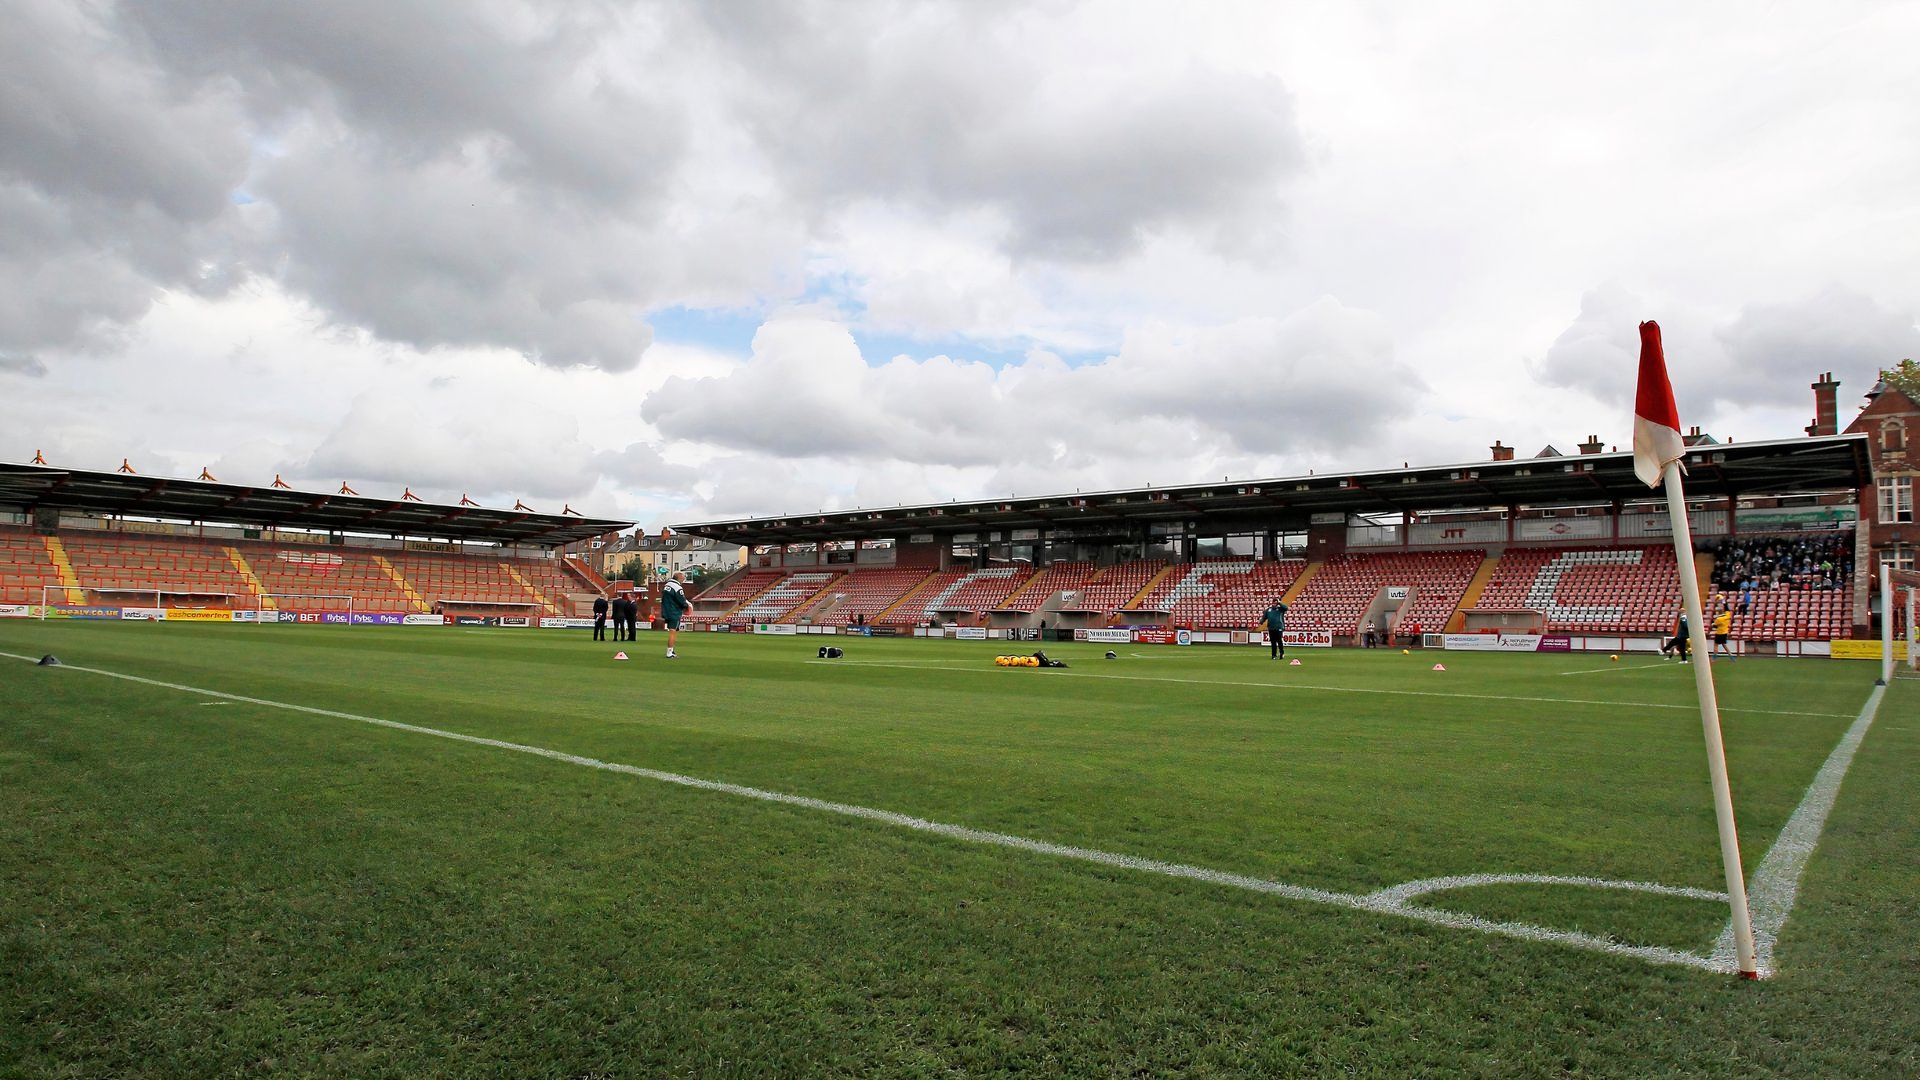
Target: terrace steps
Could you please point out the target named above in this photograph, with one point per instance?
(539, 597)
(62, 564)
(1300, 583)
(1025, 588)
(748, 600)
(1131, 605)
(240, 565)
(883, 614)
(401, 581)
(1457, 621)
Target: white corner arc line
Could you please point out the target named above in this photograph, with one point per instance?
(1383, 902)
(1775, 885)
(1398, 895)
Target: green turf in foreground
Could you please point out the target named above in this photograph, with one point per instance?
(191, 889)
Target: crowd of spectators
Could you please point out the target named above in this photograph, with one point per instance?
(1750, 564)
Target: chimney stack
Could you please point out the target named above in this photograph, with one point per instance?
(1501, 453)
(1593, 445)
(1826, 413)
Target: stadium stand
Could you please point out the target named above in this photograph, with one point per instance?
(1339, 596)
(862, 595)
(975, 591)
(1039, 589)
(1784, 587)
(26, 567)
(1115, 586)
(320, 579)
(131, 566)
(789, 593)
(1221, 593)
(739, 587)
(178, 571)
(1630, 590)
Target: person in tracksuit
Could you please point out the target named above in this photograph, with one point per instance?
(673, 605)
(1275, 620)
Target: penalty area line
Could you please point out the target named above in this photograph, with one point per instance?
(1393, 901)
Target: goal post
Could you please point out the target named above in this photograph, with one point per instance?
(1899, 590)
(280, 602)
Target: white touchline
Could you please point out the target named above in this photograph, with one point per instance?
(1776, 882)
(1022, 673)
(1393, 900)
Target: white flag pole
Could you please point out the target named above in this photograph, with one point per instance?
(1710, 721)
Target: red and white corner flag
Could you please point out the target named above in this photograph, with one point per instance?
(1656, 422)
(1657, 445)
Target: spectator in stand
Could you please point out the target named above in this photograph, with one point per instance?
(1743, 564)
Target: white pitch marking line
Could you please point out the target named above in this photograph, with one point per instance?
(1616, 669)
(1383, 902)
(1070, 674)
(1776, 882)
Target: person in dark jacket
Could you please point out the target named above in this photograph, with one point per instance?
(600, 607)
(1274, 620)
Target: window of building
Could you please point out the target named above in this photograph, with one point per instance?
(1893, 436)
(1896, 557)
(1896, 499)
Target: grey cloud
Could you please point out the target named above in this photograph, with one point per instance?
(639, 467)
(950, 108)
(1774, 350)
(114, 182)
(424, 79)
(16, 364)
(1599, 352)
(441, 253)
(1764, 357)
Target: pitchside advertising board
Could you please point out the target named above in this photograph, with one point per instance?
(1163, 635)
(1506, 642)
(1866, 649)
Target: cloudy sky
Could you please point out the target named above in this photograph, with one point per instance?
(673, 261)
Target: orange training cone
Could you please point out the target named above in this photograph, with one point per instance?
(619, 656)
(1293, 663)
(1439, 667)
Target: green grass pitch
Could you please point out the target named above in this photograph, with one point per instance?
(192, 885)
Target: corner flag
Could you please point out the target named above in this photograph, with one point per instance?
(1656, 421)
(1657, 450)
